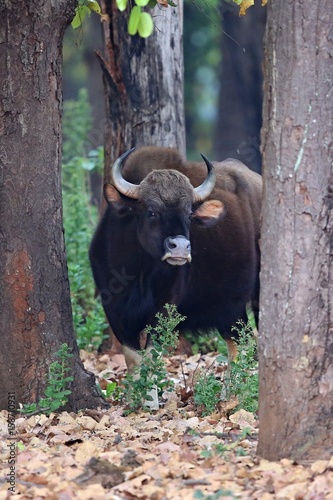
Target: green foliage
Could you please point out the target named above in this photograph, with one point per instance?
(244, 380)
(207, 392)
(164, 333)
(56, 391)
(77, 122)
(80, 220)
(140, 22)
(152, 372)
(114, 391)
(121, 4)
(84, 9)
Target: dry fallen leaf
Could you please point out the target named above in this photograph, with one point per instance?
(244, 419)
(320, 466)
(166, 456)
(244, 6)
(85, 451)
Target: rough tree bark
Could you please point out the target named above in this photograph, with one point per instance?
(34, 292)
(144, 83)
(296, 326)
(240, 100)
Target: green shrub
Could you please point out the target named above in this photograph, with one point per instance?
(56, 391)
(244, 379)
(152, 372)
(207, 392)
(80, 220)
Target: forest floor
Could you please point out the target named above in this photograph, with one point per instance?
(174, 453)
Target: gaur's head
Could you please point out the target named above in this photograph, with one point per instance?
(166, 204)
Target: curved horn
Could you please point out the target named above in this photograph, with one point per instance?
(124, 187)
(203, 191)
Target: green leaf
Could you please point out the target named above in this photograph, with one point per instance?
(142, 3)
(29, 408)
(77, 21)
(110, 388)
(146, 25)
(94, 6)
(134, 20)
(80, 13)
(121, 4)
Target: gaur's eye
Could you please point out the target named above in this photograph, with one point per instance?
(152, 214)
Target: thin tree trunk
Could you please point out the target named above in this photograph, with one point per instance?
(34, 292)
(240, 99)
(296, 328)
(144, 83)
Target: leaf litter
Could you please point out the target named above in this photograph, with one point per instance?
(174, 453)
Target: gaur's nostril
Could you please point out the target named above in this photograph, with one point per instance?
(177, 244)
(171, 245)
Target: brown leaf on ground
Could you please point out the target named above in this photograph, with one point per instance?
(172, 454)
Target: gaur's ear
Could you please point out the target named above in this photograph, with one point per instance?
(209, 213)
(117, 202)
(111, 194)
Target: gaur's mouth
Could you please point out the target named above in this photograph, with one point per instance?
(177, 250)
(177, 260)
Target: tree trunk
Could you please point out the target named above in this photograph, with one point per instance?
(144, 83)
(240, 101)
(296, 326)
(34, 292)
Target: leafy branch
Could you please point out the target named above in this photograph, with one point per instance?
(140, 22)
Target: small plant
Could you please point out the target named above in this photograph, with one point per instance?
(114, 391)
(56, 391)
(244, 381)
(152, 372)
(207, 392)
(223, 449)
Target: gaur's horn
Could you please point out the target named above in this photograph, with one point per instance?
(203, 191)
(124, 187)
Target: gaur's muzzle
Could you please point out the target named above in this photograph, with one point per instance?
(177, 250)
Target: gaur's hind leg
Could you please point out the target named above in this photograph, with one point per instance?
(232, 350)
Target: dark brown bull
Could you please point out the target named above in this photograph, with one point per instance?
(161, 240)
